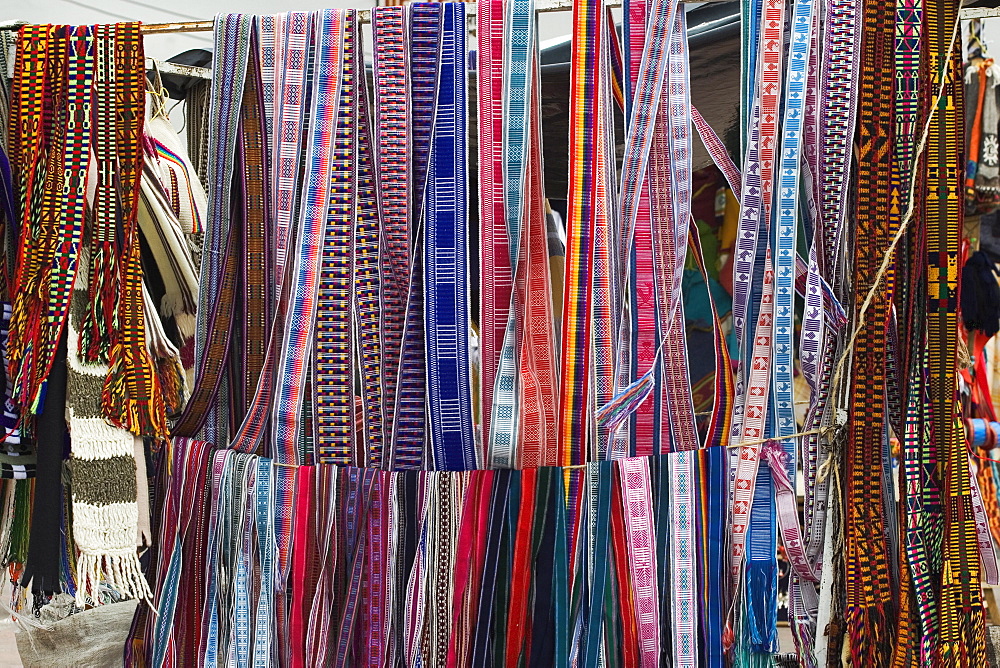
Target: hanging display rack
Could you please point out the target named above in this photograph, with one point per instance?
(364, 16)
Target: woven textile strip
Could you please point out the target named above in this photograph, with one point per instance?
(641, 348)
(267, 40)
(43, 231)
(648, 55)
(752, 516)
(538, 372)
(650, 81)
(517, 70)
(409, 429)
(334, 361)
(446, 308)
(392, 138)
(302, 307)
(638, 504)
(95, 337)
(963, 641)
(520, 571)
(255, 294)
(671, 249)
(913, 582)
(367, 282)
(496, 274)
(835, 132)
(263, 493)
(606, 310)
(291, 66)
(784, 245)
(291, 36)
(588, 162)
(469, 563)
(28, 160)
(132, 398)
(232, 43)
(869, 588)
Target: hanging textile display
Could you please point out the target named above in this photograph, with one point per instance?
(313, 388)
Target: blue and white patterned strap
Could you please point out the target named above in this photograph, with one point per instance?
(263, 500)
(446, 305)
(785, 241)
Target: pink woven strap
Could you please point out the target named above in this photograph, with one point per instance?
(718, 152)
(638, 505)
(788, 511)
(987, 551)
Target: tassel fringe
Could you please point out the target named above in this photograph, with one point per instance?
(143, 416)
(869, 636)
(122, 572)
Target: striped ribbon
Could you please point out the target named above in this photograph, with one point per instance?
(587, 212)
(232, 44)
(963, 638)
(784, 243)
(291, 64)
(369, 241)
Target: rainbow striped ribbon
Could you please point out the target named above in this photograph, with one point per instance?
(588, 188)
(446, 308)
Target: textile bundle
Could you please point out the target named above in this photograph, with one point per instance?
(385, 461)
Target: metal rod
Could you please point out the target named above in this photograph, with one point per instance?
(979, 13)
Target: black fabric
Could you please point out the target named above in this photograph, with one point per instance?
(980, 294)
(44, 542)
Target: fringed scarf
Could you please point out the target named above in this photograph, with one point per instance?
(104, 476)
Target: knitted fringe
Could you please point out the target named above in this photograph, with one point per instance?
(105, 538)
(762, 605)
(93, 438)
(121, 572)
(970, 652)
